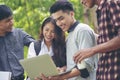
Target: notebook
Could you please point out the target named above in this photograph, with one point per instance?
(40, 64)
(5, 75)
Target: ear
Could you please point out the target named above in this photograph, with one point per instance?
(72, 13)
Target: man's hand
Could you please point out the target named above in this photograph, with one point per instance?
(82, 54)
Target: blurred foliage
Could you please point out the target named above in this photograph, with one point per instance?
(29, 14)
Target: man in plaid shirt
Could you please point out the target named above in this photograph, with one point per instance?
(108, 17)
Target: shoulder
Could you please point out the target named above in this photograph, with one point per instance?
(17, 30)
(20, 32)
(37, 44)
(83, 27)
(83, 30)
(32, 44)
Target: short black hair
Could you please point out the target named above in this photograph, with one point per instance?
(63, 5)
(5, 12)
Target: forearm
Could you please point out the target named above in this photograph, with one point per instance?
(73, 73)
(113, 44)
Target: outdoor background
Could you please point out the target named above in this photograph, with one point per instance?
(29, 14)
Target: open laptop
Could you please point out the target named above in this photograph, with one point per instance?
(40, 64)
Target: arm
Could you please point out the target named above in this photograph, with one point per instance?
(113, 44)
(27, 39)
(86, 39)
(73, 72)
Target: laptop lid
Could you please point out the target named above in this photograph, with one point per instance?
(40, 64)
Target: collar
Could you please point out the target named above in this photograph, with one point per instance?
(43, 43)
(73, 26)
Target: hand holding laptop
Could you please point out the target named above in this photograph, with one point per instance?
(39, 65)
(43, 77)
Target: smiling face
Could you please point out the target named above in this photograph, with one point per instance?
(88, 3)
(64, 19)
(49, 32)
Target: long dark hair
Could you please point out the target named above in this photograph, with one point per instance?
(58, 43)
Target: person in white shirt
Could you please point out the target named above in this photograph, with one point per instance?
(51, 41)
